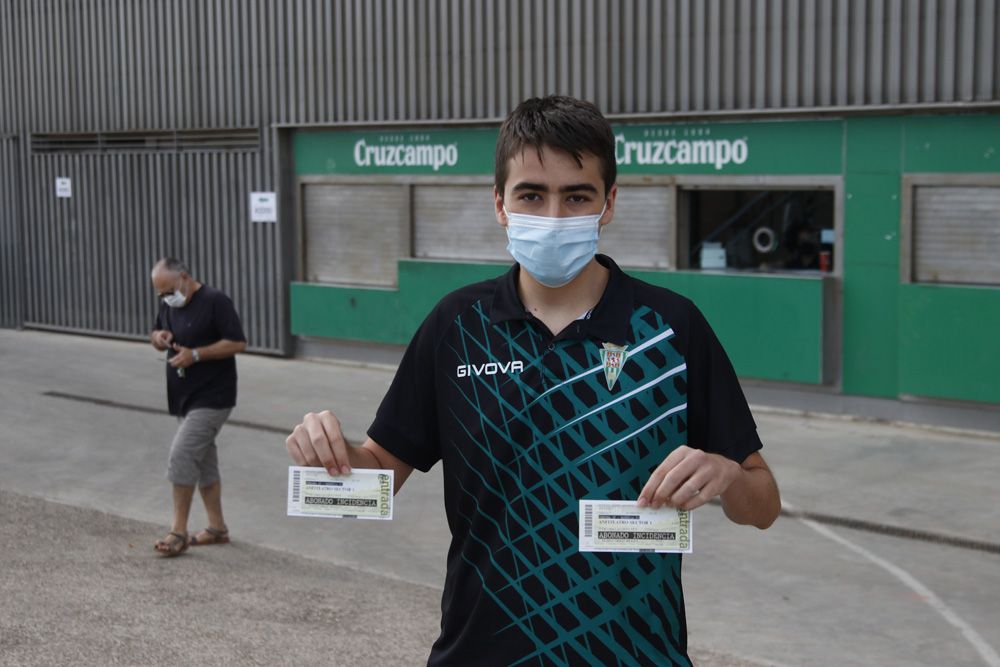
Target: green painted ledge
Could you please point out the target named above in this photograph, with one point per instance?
(381, 315)
(355, 313)
(948, 342)
(772, 327)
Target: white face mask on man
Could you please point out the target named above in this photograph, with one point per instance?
(175, 300)
(553, 250)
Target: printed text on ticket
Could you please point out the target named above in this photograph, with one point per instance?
(364, 494)
(620, 525)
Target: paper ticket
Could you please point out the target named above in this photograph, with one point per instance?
(364, 494)
(621, 525)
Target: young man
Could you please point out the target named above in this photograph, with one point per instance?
(508, 383)
(200, 330)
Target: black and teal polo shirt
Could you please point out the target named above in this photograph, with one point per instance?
(525, 425)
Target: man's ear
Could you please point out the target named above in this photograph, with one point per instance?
(609, 211)
(498, 207)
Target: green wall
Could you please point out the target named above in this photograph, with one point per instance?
(948, 334)
(890, 329)
(871, 255)
(771, 327)
(948, 342)
(763, 147)
(381, 315)
(897, 339)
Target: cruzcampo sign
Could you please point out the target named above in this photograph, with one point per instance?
(767, 147)
(415, 151)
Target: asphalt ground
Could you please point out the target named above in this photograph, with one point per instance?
(898, 564)
(85, 587)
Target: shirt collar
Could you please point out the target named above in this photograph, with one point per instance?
(609, 321)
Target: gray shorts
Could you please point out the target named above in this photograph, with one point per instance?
(194, 458)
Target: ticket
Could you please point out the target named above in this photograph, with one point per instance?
(364, 494)
(621, 525)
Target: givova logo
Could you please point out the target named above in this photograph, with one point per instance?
(491, 368)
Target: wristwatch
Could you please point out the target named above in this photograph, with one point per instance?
(196, 355)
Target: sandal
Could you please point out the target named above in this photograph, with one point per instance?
(215, 536)
(174, 545)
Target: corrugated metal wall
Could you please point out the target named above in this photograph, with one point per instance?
(132, 64)
(89, 256)
(457, 59)
(105, 65)
(11, 273)
(89, 66)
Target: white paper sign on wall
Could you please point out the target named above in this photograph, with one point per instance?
(263, 207)
(64, 187)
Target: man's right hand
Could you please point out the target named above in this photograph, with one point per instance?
(318, 441)
(161, 339)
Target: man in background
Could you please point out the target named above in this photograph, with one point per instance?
(200, 331)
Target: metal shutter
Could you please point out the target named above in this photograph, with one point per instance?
(957, 234)
(638, 235)
(354, 234)
(457, 222)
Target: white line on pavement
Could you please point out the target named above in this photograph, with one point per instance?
(985, 651)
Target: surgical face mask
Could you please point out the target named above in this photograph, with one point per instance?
(175, 300)
(553, 250)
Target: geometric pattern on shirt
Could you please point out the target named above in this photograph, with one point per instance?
(553, 437)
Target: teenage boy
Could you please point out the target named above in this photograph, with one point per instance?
(564, 379)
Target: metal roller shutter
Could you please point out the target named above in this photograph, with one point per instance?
(354, 234)
(457, 222)
(638, 235)
(957, 234)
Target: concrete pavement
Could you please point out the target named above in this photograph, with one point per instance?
(801, 593)
(84, 587)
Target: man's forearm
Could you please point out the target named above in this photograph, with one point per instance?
(371, 455)
(222, 349)
(752, 499)
(360, 457)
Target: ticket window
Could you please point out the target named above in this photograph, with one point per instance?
(763, 230)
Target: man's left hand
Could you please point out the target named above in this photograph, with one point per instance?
(183, 357)
(688, 478)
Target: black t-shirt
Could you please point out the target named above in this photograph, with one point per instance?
(208, 317)
(526, 425)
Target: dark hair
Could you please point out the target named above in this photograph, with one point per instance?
(560, 122)
(173, 265)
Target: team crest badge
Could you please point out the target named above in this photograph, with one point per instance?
(613, 357)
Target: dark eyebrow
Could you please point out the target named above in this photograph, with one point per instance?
(579, 187)
(576, 187)
(524, 185)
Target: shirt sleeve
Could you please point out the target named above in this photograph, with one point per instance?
(719, 419)
(160, 323)
(406, 423)
(227, 320)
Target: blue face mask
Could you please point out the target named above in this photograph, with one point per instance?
(553, 250)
